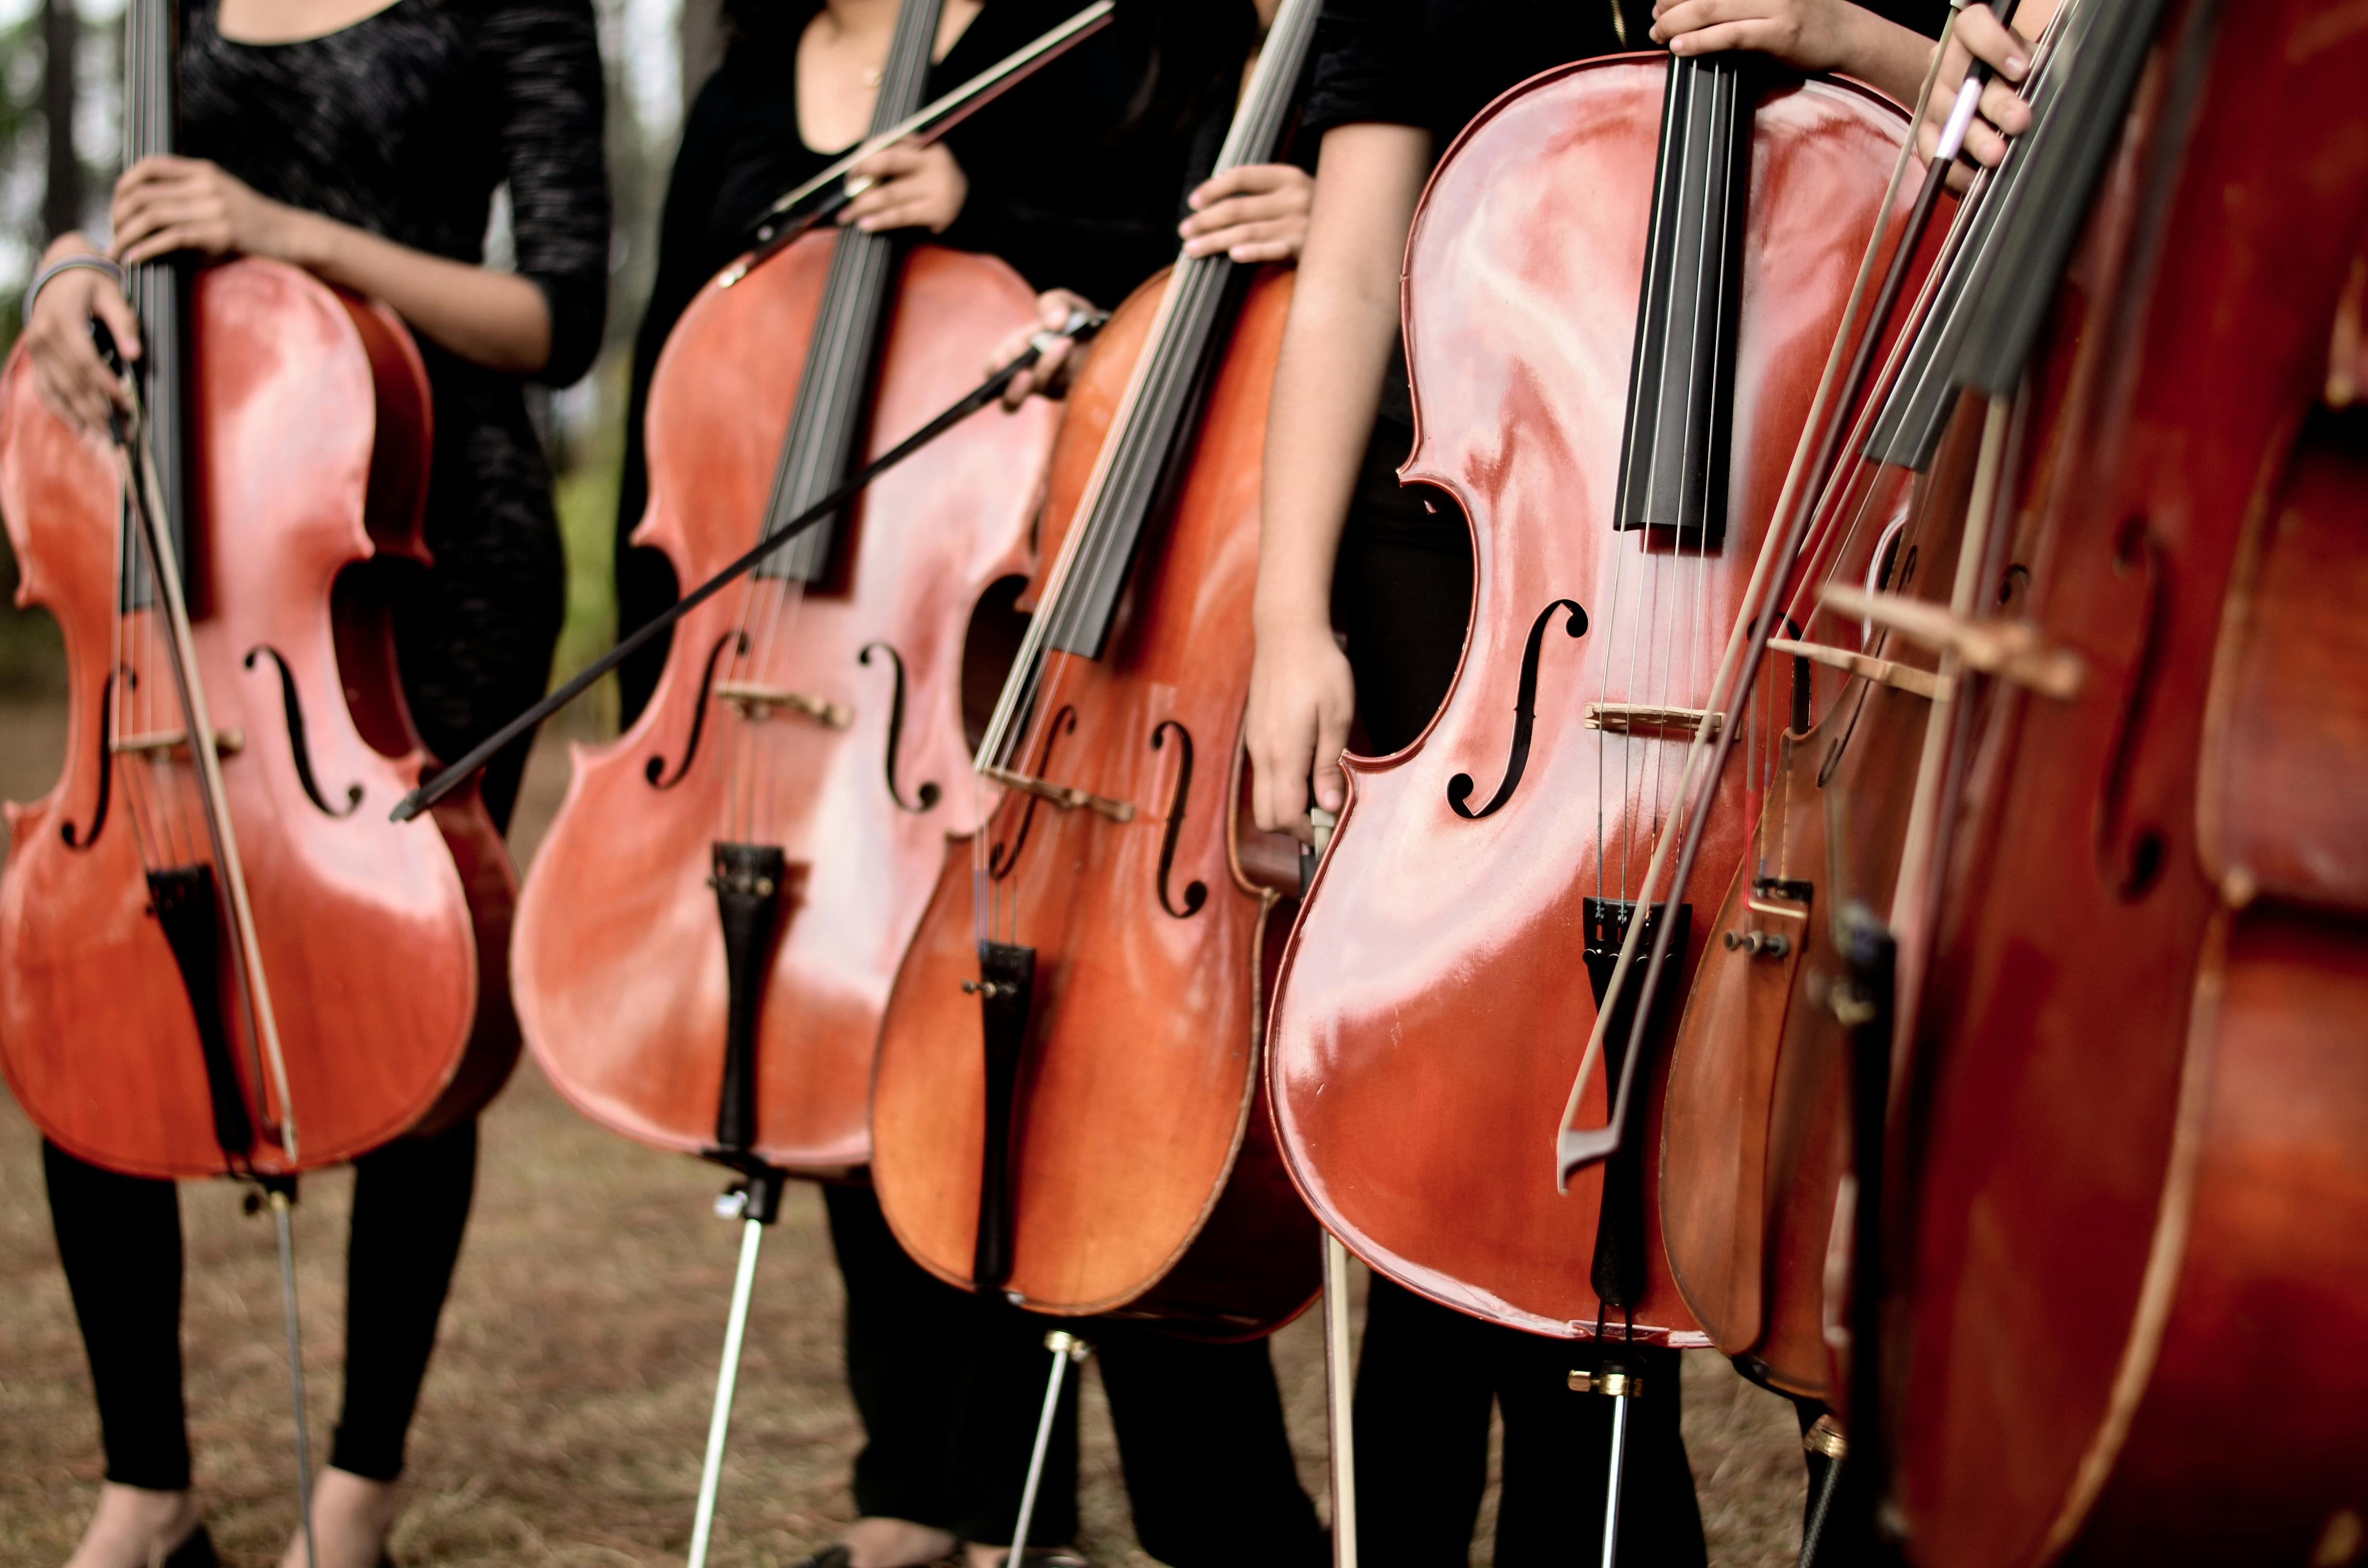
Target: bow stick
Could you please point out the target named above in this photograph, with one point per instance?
(1078, 328)
(773, 228)
(1578, 1147)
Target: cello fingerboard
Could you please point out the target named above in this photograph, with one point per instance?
(1673, 457)
(831, 414)
(1164, 401)
(157, 289)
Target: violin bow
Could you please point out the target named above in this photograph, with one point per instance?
(1079, 328)
(1576, 1148)
(774, 227)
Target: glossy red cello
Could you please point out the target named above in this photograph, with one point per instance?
(706, 944)
(1619, 469)
(216, 953)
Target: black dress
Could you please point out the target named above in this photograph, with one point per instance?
(402, 124)
(1401, 595)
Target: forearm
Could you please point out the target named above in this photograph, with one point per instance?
(498, 320)
(1336, 351)
(1886, 56)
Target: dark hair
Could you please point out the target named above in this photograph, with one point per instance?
(1191, 53)
(768, 23)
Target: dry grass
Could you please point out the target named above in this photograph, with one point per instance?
(562, 1421)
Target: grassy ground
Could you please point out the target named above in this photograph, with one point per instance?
(562, 1421)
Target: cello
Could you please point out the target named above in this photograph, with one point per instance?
(707, 941)
(1753, 1148)
(2127, 1184)
(712, 980)
(1427, 1019)
(1074, 1035)
(217, 955)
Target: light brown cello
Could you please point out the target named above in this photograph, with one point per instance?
(1067, 1105)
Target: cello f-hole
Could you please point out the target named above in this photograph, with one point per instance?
(1195, 893)
(1003, 857)
(292, 702)
(1460, 788)
(656, 770)
(2132, 861)
(81, 842)
(929, 794)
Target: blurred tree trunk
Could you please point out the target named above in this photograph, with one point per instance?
(702, 31)
(60, 38)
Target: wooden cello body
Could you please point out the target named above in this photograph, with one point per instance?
(1138, 1093)
(310, 442)
(1067, 1109)
(1433, 1006)
(621, 974)
(2130, 1180)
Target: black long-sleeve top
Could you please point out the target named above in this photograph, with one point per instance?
(404, 124)
(1055, 188)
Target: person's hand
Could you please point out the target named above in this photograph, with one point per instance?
(1811, 35)
(1256, 212)
(67, 371)
(1302, 699)
(168, 204)
(1050, 374)
(918, 188)
(2000, 114)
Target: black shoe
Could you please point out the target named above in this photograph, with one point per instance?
(197, 1551)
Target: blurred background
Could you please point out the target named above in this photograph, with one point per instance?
(562, 1419)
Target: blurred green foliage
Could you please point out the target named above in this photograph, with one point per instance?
(585, 498)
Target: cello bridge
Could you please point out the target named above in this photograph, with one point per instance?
(1065, 797)
(758, 704)
(1650, 719)
(227, 742)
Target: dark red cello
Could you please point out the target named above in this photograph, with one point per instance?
(2129, 1186)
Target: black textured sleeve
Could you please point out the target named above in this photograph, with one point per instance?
(1368, 65)
(544, 59)
(685, 263)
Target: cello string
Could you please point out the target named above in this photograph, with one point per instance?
(1764, 580)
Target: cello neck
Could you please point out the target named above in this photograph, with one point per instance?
(829, 416)
(1082, 592)
(158, 288)
(1674, 448)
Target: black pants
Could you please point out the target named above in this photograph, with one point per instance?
(1428, 1375)
(120, 1239)
(949, 1386)
(1424, 1383)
